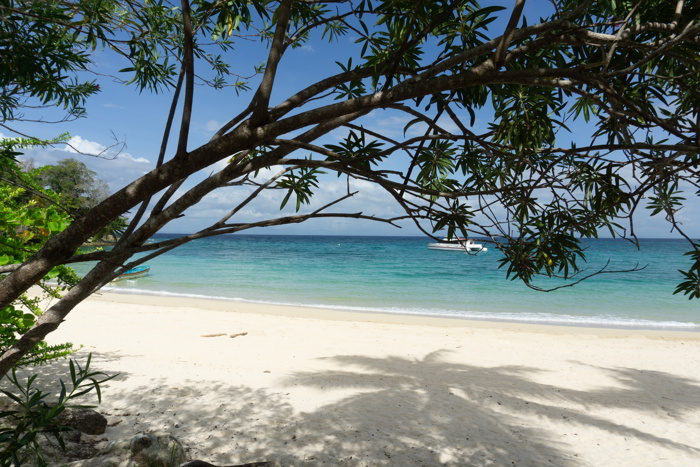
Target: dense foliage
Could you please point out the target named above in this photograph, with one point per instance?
(623, 75)
(29, 216)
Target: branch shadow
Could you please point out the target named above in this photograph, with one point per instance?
(399, 411)
(411, 405)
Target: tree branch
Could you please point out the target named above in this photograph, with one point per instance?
(262, 97)
(188, 64)
(509, 33)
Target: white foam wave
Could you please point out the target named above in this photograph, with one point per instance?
(605, 321)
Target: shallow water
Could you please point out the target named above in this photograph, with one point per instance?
(401, 275)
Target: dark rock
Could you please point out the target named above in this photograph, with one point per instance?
(141, 442)
(79, 451)
(143, 450)
(72, 436)
(75, 447)
(84, 420)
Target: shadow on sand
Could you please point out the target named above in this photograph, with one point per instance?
(398, 411)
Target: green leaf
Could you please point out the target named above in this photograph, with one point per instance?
(73, 379)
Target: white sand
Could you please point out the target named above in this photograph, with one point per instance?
(316, 387)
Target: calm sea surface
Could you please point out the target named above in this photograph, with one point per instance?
(401, 275)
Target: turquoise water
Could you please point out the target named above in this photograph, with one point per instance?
(401, 275)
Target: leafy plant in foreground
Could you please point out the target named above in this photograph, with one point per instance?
(32, 416)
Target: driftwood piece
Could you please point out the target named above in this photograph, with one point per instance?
(207, 464)
(223, 334)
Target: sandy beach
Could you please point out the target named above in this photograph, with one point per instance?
(324, 387)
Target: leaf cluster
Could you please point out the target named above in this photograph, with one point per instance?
(299, 183)
(357, 150)
(690, 286)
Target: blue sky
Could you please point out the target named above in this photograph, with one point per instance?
(138, 120)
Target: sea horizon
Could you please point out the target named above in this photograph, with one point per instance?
(182, 234)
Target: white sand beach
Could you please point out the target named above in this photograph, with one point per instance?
(325, 387)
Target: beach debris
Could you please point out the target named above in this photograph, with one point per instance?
(238, 334)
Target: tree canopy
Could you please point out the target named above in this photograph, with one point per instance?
(628, 71)
(78, 187)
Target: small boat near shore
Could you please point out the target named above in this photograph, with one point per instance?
(133, 273)
(458, 244)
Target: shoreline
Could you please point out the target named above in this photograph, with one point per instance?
(402, 276)
(341, 314)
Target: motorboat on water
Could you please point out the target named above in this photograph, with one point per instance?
(133, 273)
(458, 244)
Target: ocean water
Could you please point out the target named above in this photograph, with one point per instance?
(401, 275)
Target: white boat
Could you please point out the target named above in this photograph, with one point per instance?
(458, 244)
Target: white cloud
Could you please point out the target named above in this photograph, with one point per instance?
(262, 176)
(220, 165)
(112, 106)
(371, 200)
(213, 125)
(393, 121)
(78, 145)
(115, 171)
(393, 125)
(339, 134)
(266, 173)
(140, 160)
